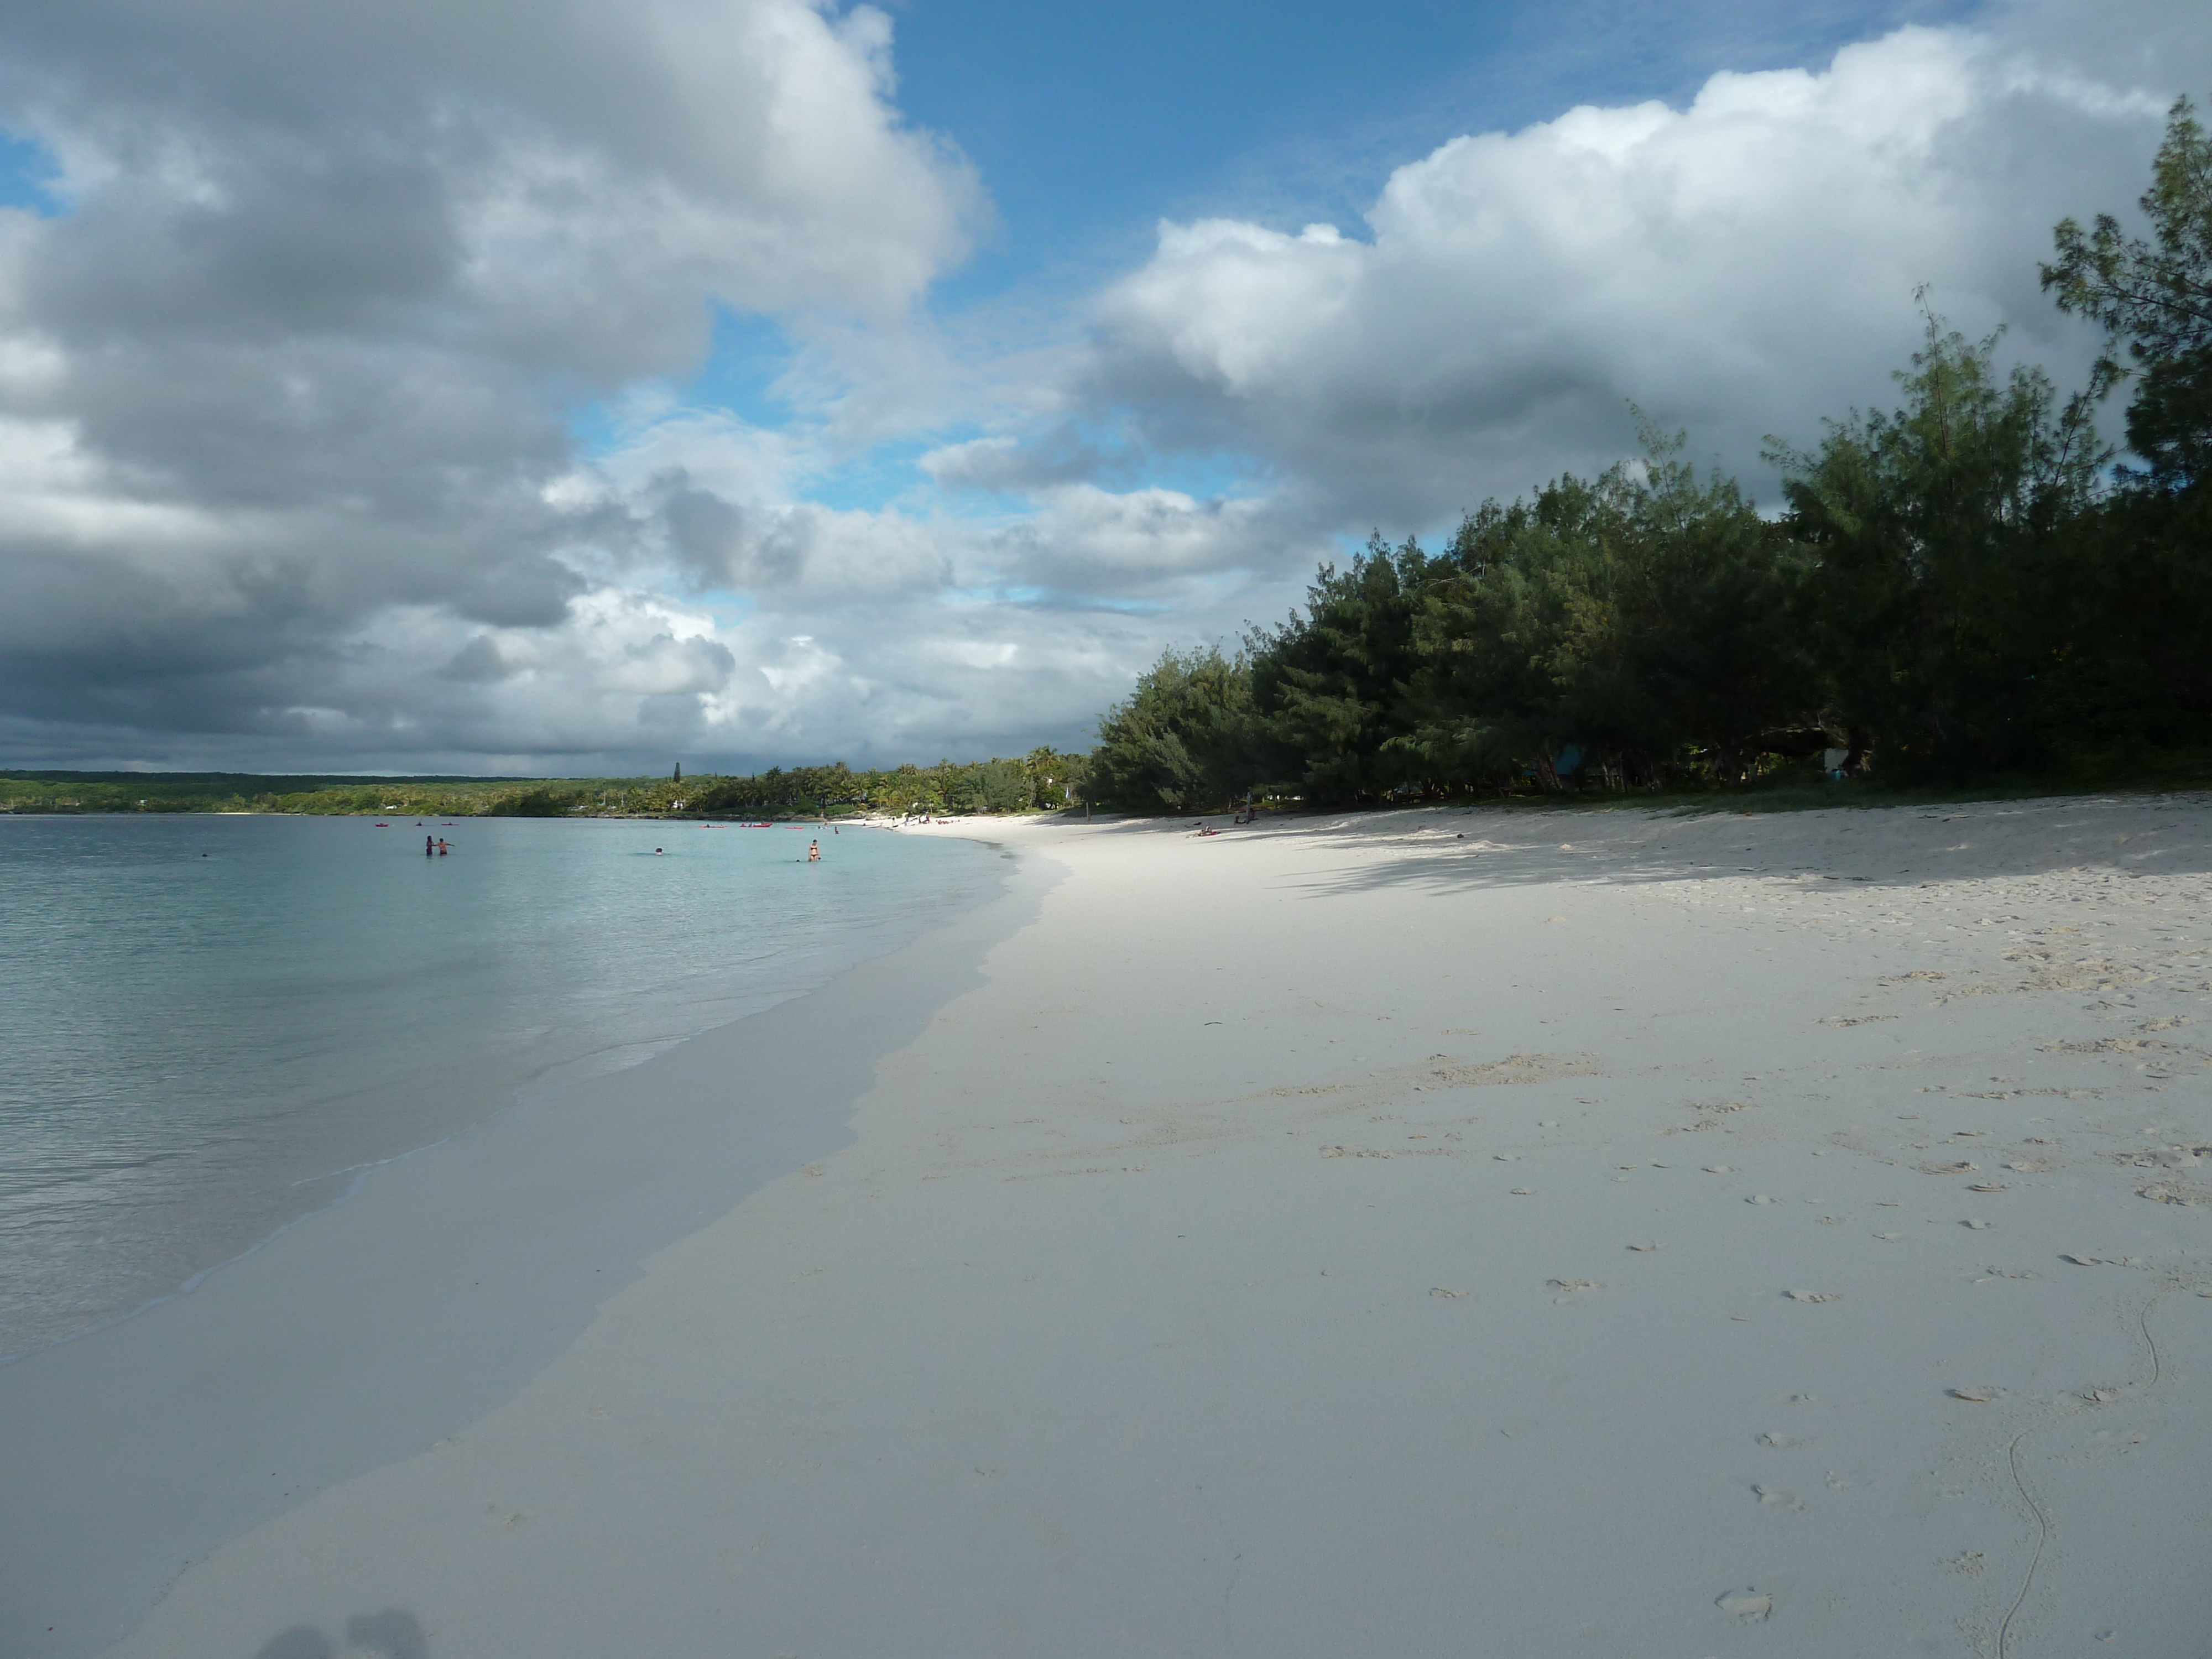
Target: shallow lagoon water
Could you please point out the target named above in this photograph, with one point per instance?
(212, 1026)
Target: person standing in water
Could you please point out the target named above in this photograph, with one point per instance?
(814, 851)
(428, 845)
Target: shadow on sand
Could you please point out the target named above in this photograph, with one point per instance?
(394, 1633)
(1454, 850)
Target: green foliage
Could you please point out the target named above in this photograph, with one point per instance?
(2147, 675)
(241, 792)
(802, 789)
(2156, 296)
(1043, 778)
(1643, 619)
(1941, 536)
(543, 803)
(1331, 684)
(995, 785)
(1055, 778)
(1182, 740)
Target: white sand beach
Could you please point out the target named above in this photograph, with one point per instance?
(1437, 1232)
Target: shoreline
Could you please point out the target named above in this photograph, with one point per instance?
(1608, 1235)
(350, 1336)
(472, 1086)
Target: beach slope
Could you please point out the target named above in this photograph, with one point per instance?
(1435, 1232)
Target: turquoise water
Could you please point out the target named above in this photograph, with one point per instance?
(210, 1026)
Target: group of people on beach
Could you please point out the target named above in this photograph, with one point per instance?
(1250, 815)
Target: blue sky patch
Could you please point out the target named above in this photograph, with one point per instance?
(28, 175)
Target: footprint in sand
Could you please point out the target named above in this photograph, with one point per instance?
(1978, 1225)
(1758, 1198)
(1889, 1238)
(1777, 1441)
(2099, 1395)
(1643, 1248)
(1720, 1169)
(1979, 1394)
(1815, 1296)
(1753, 1606)
(1522, 1192)
(1453, 1296)
(1773, 1495)
(2173, 1192)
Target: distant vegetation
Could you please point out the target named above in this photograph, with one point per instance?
(1962, 588)
(1041, 780)
(245, 792)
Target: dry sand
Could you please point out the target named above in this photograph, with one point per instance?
(1493, 1233)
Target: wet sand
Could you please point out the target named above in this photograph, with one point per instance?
(1424, 1233)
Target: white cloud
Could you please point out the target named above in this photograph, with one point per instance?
(1742, 266)
(1082, 539)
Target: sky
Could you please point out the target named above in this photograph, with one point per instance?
(580, 386)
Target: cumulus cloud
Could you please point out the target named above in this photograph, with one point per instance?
(1143, 543)
(292, 354)
(1743, 265)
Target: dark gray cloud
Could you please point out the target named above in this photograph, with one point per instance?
(284, 380)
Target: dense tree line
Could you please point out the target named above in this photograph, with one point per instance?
(1966, 583)
(1041, 780)
(65, 792)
